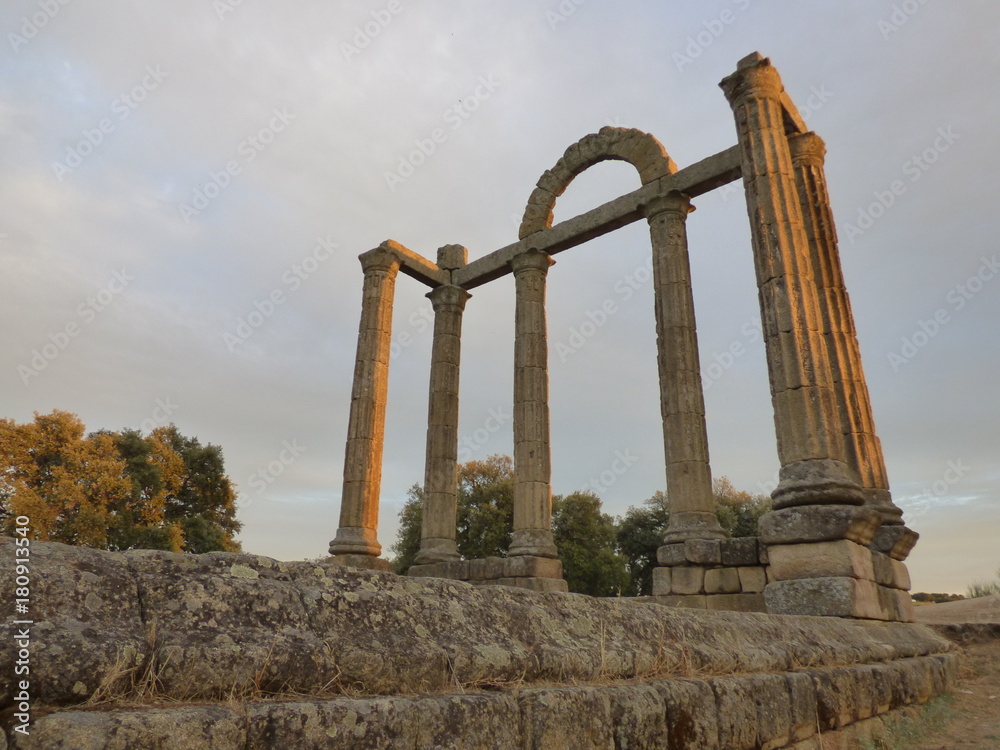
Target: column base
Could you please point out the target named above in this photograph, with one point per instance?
(533, 542)
(819, 523)
(691, 524)
(437, 551)
(817, 481)
(355, 540)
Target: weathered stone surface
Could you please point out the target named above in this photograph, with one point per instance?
(661, 581)
(740, 551)
(692, 714)
(671, 554)
(827, 596)
(566, 717)
(187, 728)
(752, 579)
(722, 581)
(687, 579)
(836, 558)
(736, 602)
(895, 541)
(703, 551)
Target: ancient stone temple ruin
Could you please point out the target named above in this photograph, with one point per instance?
(834, 543)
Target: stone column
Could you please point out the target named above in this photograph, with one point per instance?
(357, 536)
(532, 462)
(862, 447)
(810, 442)
(682, 403)
(440, 510)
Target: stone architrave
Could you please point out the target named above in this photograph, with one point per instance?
(862, 446)
(532, 461)
(814, 471)
(440, 509)
(358, 532)
(682, 403)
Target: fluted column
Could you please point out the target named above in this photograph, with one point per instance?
(861, 444)
(682, 402)
(358, 532)
(810, 444)
(532, 460)
(440, 509)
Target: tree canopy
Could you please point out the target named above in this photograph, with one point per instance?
(115, 490)
(601, 555)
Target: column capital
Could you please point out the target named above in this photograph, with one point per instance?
(452, 257)
(533, 259)
(755, 78)
(448, 297)
(807, 149)
(379, 259)
(674, 201)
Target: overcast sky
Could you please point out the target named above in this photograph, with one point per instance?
(185, 188)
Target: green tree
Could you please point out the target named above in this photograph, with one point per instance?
(640, 534)
(585, 538)
(485, 513)
(738, 511)
(115, 490)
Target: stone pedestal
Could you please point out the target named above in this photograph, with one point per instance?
(358, 531)
(532, 462)
(440, 508)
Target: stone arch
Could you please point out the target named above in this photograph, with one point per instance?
(639, 149)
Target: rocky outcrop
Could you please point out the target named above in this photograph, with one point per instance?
(312, 655)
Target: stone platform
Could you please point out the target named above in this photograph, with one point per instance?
(223, 651)
(523, 571)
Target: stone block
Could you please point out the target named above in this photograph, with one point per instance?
(532, 567)
(687, 602)
(762, 553)
(638, 719)
(363, 562)
(687, 579)
(882, 564)
(557, 585)
(565, 717)
(740, 551)
(900, 575)
(671, 554)
(431, 570)
(818, 559)
(493, 568)
(831, 596)
(703, 551)
(802, 705)
(456, 570)
(895, 541)
(897, 605)
(661, 581)
(819, 523)
(736, 602)
(722, 581)
(692, 714)
(752, 579)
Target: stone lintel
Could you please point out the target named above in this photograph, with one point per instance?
(413, 264)
(696, 179)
